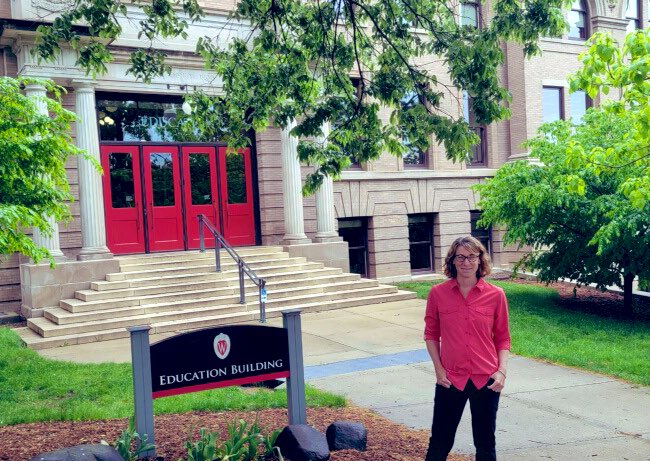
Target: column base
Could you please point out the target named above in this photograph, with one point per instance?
(331, 254)
(326, 237)
(295, 239)
(92, 254)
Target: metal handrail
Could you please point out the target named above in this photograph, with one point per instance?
(219, 242)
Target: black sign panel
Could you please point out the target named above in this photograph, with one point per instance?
(218, 357)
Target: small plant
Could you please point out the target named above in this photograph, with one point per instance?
(130, 445)
(203, 449)
(270, 450)
(242, 443)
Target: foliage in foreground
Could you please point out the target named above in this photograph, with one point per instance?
(34, 389)
(542, 329)
(292, 60)
(34, 149)
(579, 223)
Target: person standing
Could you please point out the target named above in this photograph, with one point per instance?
(468, 338)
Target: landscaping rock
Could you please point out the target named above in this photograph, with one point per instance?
(347, 435)
(300, 442)
(96, 452)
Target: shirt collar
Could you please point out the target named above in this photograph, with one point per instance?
(481, 284)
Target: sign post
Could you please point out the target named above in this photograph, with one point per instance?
(142, 394)
(296, 403)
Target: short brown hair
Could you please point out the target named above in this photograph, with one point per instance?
(473, 245)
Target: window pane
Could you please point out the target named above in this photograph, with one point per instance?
(420, 256)
(162, 179)
(121, 171)
(469, 14)
(479, 233)
(578, 105)
(355, 233)
(235, 169)
(577, 24)
(413, 156)
(632, 10)
(200, 179)
(551, 102)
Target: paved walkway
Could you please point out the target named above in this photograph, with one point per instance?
(374, 355)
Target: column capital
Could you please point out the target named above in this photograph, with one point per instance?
(35, 87)
(84, 85)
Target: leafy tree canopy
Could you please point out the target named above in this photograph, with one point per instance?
(297, 61)
(624, 75)
(578, 221)
(33, 151)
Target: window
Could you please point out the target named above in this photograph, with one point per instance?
(482, 235)
(632, 15)
(552, 103)
(355, 232)
(578, 21)
(580, 102)
(414, 157)
(479, 151)
(421, 242)
(470, 14)
(356, 84)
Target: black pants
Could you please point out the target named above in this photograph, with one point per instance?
(448, 408)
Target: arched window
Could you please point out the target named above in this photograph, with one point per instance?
(578, 21)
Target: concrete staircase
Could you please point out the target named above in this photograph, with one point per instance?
(182, 291)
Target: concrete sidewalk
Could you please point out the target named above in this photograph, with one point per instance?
(375, 356)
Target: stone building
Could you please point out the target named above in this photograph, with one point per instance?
(396, 216)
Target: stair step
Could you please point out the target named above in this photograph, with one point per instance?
(173, 255)
(93, 295)
(275, 265)
(35, 341)
(204, 260)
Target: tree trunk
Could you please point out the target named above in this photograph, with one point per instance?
(627, 295)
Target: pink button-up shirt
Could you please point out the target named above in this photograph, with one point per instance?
(470, 330)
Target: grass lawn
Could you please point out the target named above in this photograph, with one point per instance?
(33, 389)
(542, 329)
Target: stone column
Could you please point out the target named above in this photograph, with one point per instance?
(294, 223)
(91, 201)
(38, 93)
(325, 216)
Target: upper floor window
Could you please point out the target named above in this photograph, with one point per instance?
(552, 103)
(414, 157)
(470, 14)
(632, 15)
(479, 151)
(579, 21)
(579, 103)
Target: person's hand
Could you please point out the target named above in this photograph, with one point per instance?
(441, 378)
(499, 381)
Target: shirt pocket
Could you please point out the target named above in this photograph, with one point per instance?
(449, 309)
(483, 315)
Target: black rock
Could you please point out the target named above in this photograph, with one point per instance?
(96, 452)
(347, 435)
(300, 442)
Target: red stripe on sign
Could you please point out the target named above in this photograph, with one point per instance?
(230, 382)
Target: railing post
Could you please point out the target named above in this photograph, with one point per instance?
(262, 286)
(201, 237)
(242, 292)
(217, 251)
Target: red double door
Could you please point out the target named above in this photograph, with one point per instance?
(154, 193)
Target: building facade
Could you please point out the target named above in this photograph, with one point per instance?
(388, 219)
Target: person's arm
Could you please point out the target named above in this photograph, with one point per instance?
(502, 344)
(432, 339)
(433, 347)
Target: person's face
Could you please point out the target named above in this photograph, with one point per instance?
(466, 262)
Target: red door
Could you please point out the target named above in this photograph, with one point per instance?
(123, 198)
(237, 197)
(201, 194)
(162, 184)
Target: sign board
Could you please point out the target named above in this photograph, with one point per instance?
(218, 357)
(263, 295)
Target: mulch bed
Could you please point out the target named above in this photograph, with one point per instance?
(386, 440)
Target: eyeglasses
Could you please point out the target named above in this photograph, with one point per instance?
(461, 259)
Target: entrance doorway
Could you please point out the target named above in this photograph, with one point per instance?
(153, 194)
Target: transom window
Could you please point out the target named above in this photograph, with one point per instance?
(579, 21)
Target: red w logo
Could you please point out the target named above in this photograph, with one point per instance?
(222, 346)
